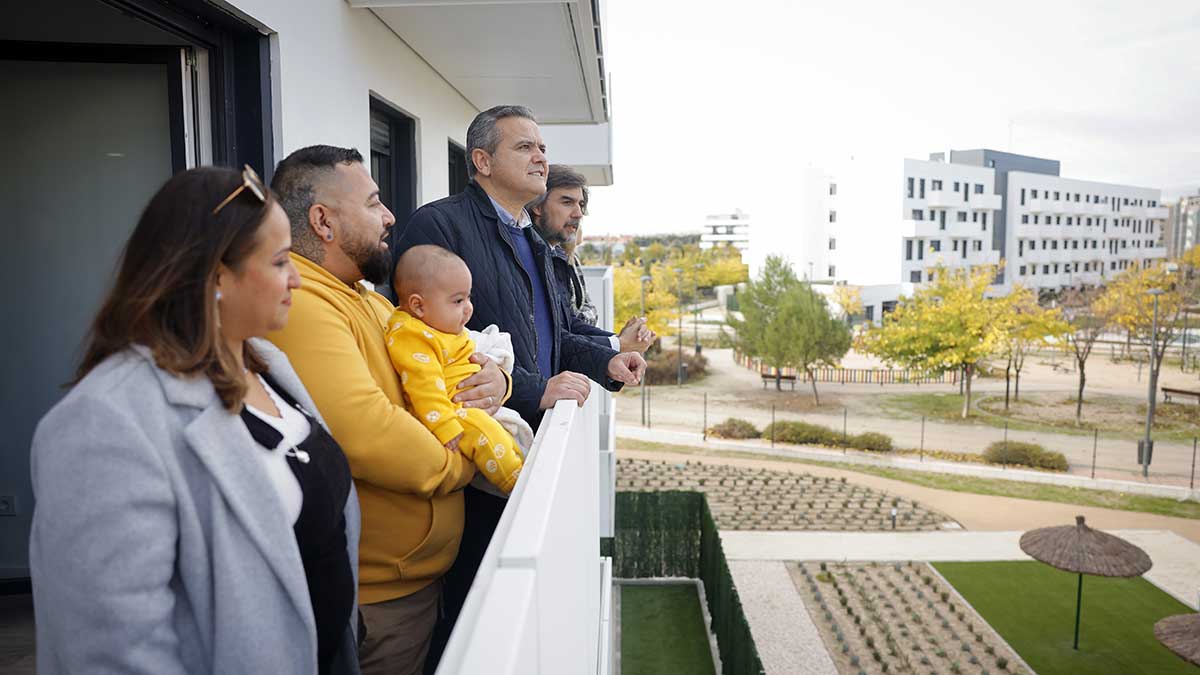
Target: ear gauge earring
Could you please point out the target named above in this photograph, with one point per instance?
(328, 236)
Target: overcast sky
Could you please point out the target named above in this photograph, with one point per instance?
(715, 103)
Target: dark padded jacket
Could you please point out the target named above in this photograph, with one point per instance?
(502, 293)
(564, 277)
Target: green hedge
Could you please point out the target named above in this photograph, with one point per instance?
(1025, 454)
(734, 428)
(672, 534)
(803, 433)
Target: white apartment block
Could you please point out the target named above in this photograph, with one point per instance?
(1182, 230)
(1051, 232)
(729, 229)
(1068, 233)
(949, 216)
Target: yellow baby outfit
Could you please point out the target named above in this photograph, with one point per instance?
(431, 364)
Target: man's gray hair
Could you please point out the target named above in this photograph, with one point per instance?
(560, 176)
(484, 135)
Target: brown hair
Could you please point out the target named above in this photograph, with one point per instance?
(164, 296)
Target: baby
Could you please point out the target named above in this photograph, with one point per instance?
(431, 349)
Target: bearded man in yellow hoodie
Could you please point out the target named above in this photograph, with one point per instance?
(409, 484)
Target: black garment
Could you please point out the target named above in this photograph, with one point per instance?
(570, 286)
(467, 224)
(321, 527)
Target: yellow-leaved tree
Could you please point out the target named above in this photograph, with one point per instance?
(662, 305)
(849, 298)
(1026, 326)
(949, 324)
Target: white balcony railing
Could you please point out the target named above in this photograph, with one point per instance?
(985, 202)
(1156, 212)
(541, 601)
(944, 199)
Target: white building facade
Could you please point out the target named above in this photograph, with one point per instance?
(1183, 225)
(728, 229)
(1051, 232)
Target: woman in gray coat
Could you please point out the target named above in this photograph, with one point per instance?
(193, 515)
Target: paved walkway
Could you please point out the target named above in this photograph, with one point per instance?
(1176, 561)
(787, 639)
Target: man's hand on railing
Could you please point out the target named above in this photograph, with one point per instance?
(566, 385)
(627, 367)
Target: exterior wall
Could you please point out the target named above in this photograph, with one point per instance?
(1082, 232)
(948, 219)
(328, 60)
(731, 229)
(1183, 226)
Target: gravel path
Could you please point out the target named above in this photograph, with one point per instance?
(787, 640)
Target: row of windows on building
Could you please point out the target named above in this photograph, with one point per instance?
(960, 216)
(1087, 198)
(1074, 268)
(916, 187)
(1073, 244)
(1138, 225)
(961, 246)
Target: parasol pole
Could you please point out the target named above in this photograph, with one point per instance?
(1078, 605)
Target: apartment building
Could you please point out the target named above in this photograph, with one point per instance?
(967, 208)
(726, 229)
(949, 216)
(1182, 229)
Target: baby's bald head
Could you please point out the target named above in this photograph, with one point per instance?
(419, 268)
(434, 284)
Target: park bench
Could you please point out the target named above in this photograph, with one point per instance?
(1168, 392)
(784, 379)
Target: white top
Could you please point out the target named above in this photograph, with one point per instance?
(295, 428)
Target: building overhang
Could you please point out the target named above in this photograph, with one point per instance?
(544, 54)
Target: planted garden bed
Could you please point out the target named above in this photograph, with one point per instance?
(898, 618)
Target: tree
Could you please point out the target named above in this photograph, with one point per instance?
(661, 304)
(849, 299)
(632, 254)
(819, 339)
(788, 325)
(1026, 326)
(1088, 319)
(950, 324)
(1128, 301)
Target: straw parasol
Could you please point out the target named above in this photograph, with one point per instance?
(1181, 634)
(1080, 549)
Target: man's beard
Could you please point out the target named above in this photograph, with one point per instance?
(561, 237)
(374, 262)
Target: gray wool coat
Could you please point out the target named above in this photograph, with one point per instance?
(158, 543)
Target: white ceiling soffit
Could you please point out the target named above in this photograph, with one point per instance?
(545, 54)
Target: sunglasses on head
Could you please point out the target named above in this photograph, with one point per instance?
(251, 182)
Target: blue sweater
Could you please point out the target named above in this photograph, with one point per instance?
(543, 324)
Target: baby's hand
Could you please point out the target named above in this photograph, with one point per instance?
(453, 443)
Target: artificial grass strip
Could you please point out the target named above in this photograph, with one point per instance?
(1032, 605)
(662, 631)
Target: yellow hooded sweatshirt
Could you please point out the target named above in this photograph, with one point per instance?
(409, 484)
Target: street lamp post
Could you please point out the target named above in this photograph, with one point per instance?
(1153, 382)
(645, 278)
(696, 307)
(679, 331)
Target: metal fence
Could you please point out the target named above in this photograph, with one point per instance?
(878, 376)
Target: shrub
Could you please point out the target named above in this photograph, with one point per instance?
(663, 367)
(1024, 454)
(1002, 663)
(734, 428)
(871, 440)
(801, 433)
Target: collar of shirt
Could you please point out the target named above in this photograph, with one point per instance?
(508, 219)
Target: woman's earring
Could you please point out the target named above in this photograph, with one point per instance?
(218, 296)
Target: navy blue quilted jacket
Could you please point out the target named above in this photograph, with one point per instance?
(467, 224)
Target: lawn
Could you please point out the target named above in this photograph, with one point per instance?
(662, 631)
(1032, 606)
(1107, 499)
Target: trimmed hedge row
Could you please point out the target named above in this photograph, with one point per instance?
(803, 433)
(1024, 454)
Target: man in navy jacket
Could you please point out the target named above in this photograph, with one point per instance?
(514, 287)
